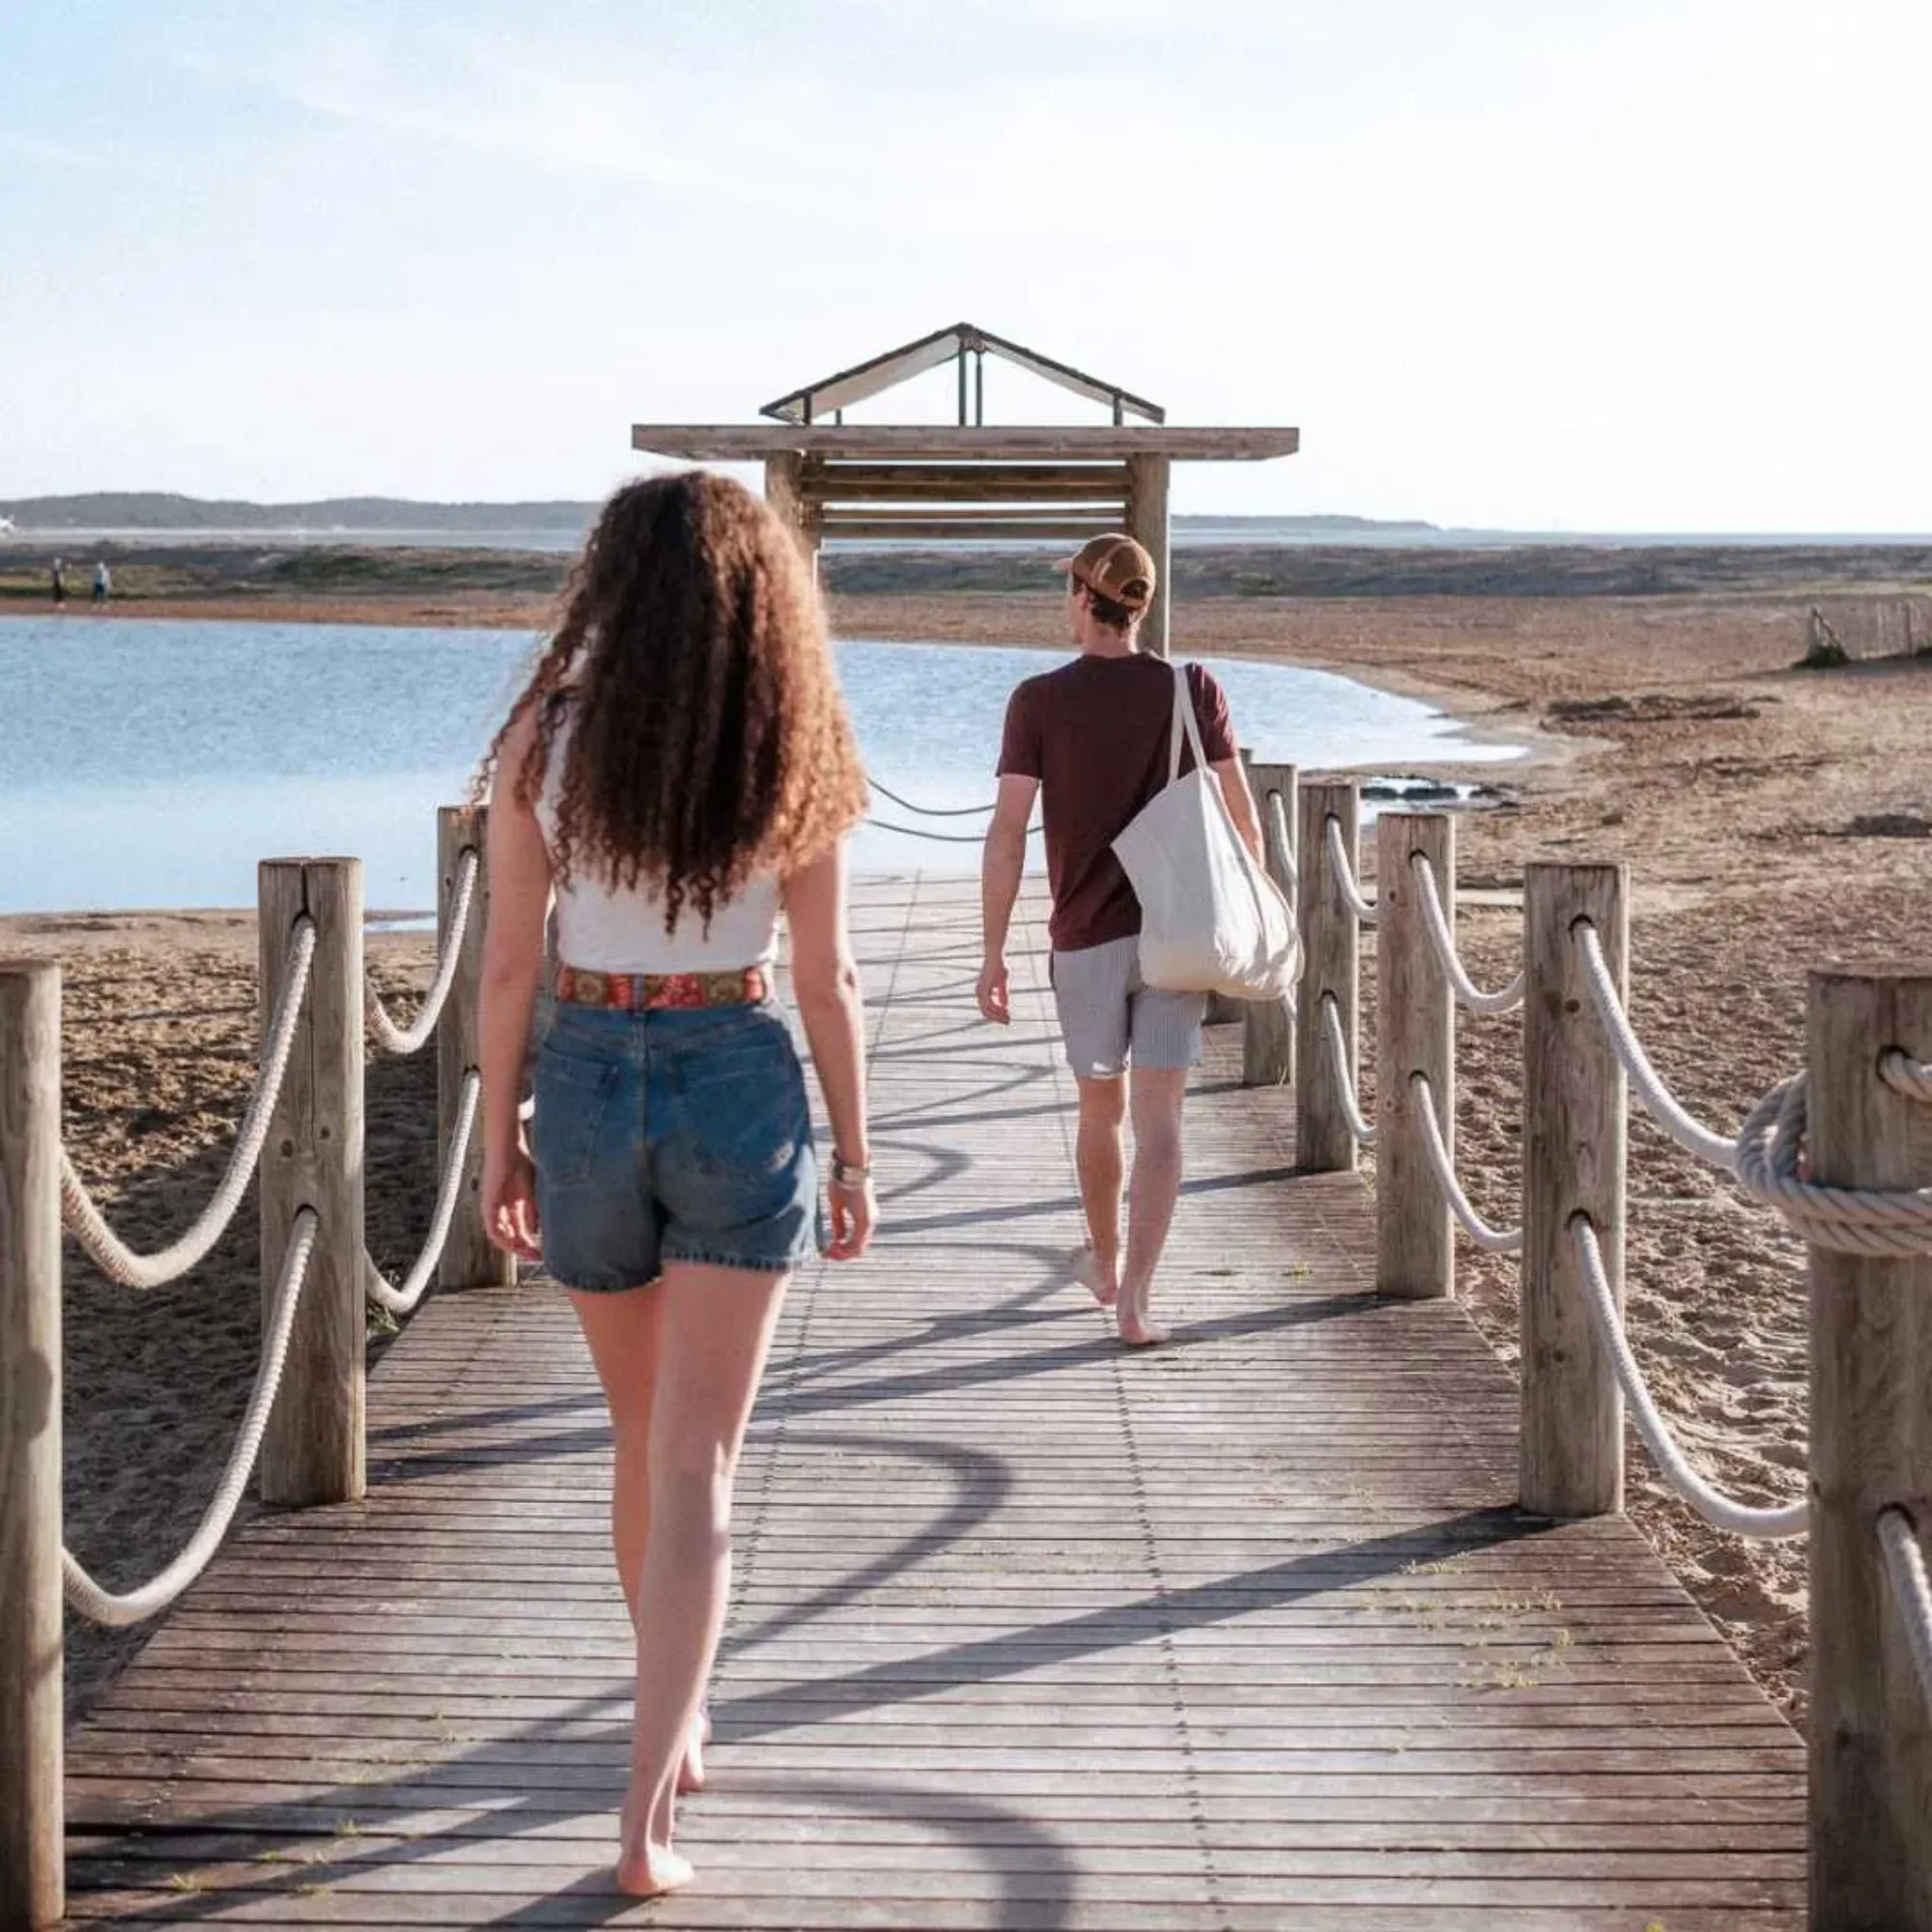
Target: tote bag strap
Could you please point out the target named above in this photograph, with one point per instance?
(1185, 724)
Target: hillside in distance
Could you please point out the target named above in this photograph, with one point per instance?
(161, 510)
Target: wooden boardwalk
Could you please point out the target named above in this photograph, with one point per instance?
(1029, 1633)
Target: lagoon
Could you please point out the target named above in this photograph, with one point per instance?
(149, 763)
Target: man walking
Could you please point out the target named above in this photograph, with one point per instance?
(1091, 740)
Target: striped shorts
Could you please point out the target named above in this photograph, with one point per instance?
(1109, 1020)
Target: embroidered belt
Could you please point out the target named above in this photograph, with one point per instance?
(742, 986)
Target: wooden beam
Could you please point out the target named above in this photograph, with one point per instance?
(744, 443)
(1146, 520)
(963, 483)
(1102, 516)
(942, 529)
(887, 371)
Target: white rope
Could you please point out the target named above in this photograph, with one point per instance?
(1875, 1221)
(402, 1300)
(1437, 919)
(1496, 1239)
(85, 1221)
(1284, 845)
(117, 1611)
(1338, 1057)
(1364, 910)
(1905, 1076)
(1722, 1512)
(401, 1040)
(1659, 1102)
(1905, 1562)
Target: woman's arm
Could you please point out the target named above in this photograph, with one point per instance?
(513, 958)
(825, 982)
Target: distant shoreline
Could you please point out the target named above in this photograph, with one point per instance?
(494, 587)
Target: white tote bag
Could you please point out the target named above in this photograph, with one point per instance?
(1211, 920)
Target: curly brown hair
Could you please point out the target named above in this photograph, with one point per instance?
(710, 739)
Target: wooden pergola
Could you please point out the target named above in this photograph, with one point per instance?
(1045, 483)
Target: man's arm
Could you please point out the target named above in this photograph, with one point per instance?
(1002, 867)
(1234, 778)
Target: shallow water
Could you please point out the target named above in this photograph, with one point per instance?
(148, 763)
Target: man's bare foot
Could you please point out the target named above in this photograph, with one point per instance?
(651, 1870)
(1091, 1276)
(1133, 1325)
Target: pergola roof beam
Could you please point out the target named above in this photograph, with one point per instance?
(872, 378)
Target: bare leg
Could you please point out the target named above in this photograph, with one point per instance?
(717, 1326)
(624, 1331)
(1158, 1093)
(1100, 1159)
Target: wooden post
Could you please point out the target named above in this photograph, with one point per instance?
(469, 1260)
(785, 492)
(1573, 1121)
(1415, 1033)
(1872, 1446)
(314, 1449)
(1268, 1038)
(1331, 953)
(32, 1875)
(1146, 520)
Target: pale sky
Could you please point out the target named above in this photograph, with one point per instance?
(1594, 265)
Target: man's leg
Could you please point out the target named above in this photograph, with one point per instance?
(1156, 1093)
(1100, 1155)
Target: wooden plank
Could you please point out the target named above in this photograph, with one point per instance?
(945, 528)
(740, 442)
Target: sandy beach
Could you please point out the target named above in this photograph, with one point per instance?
(1772, 819)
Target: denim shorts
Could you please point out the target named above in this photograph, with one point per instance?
(670, 1136)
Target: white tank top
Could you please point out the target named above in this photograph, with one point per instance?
(607, 929)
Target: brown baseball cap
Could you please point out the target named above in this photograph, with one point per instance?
(1115, 567)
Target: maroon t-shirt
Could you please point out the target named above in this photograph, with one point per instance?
(1095, 735)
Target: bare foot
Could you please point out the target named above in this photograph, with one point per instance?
(691, 1773)
(1136, 1331)
(1091, 1276)
(652, 1871)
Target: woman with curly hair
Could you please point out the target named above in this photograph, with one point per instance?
(679, 770)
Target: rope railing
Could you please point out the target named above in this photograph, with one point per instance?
(401, 1298)
(1875, 1221)
(1507, 998)
(1722, 1512)
(1662, 1105)
(1495, 1241)
(118, 1610)
(1905, 1076)
(1366, 910)
(1911, 1587)
(1283, 843)
(1338, 1059)
(928, 810)
(401, 1041)
(940, 837)
(89, 1227)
